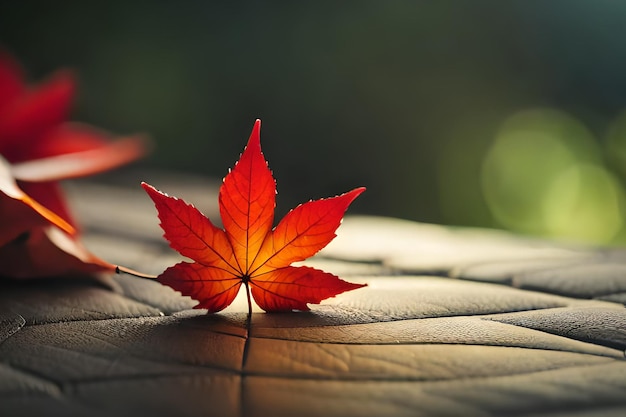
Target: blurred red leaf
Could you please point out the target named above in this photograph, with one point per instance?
(49, 252)
(248, 251)
(19, 212)
(38, 148)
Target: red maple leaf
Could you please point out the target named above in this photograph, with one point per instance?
(38, 235)
(248, 250)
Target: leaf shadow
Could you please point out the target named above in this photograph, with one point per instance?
(318, 316)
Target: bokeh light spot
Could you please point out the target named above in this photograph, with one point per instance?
(531, 152)
(584, 203)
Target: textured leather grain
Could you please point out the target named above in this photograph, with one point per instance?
(453, 322)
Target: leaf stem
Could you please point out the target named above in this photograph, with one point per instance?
(249, 301)
(120, 269)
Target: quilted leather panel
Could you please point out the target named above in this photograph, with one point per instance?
(453, 322)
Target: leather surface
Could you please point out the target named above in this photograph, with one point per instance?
(453, 322)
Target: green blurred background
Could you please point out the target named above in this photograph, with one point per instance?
(481, 113)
